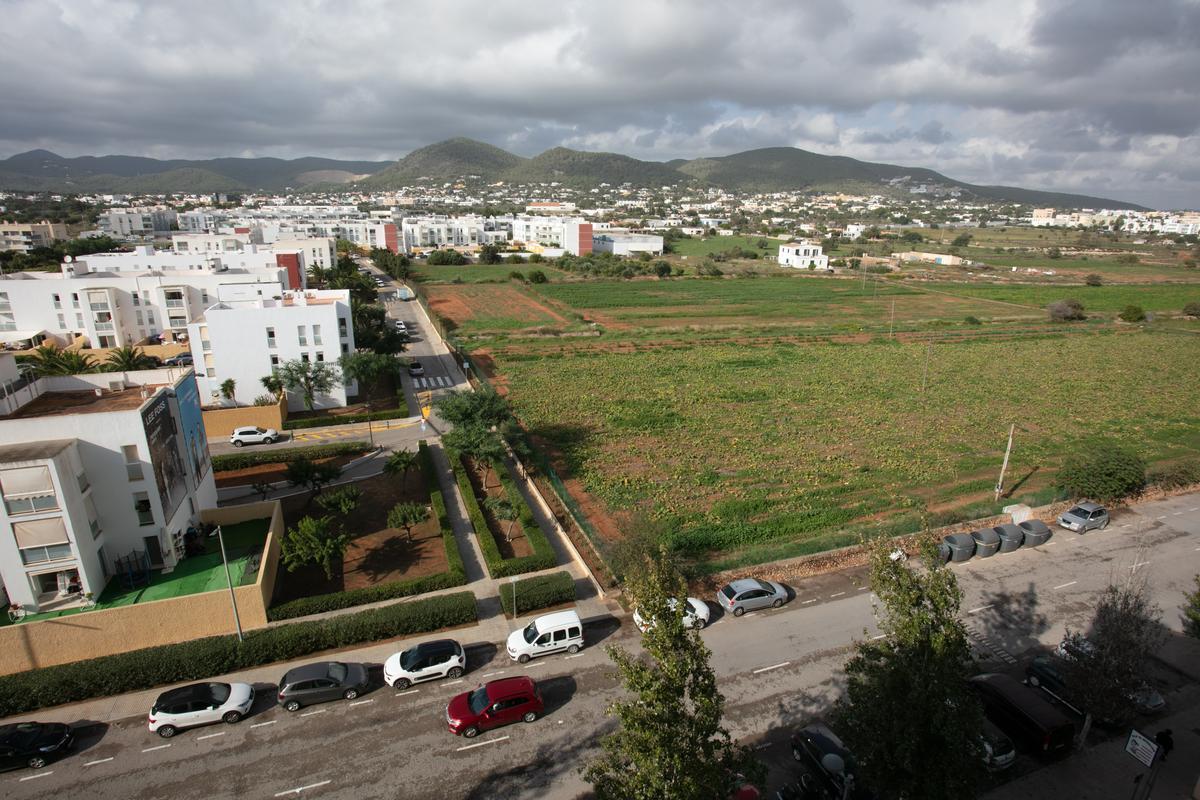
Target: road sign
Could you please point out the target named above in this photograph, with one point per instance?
(1141, 747)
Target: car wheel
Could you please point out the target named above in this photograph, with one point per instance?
(471, 732)
(292, 705)
(530, 716)
(796, 755)
(269, 440)
(1034, 682)
(573, 649)
(167, 731)
(455, 672)
(36, 762)
(402, 683)
(237, 442)
(778, 603)
(232, 717)
(523, 658)
(1104, 525)
(737, 612)
(350, 694)
(698, 624)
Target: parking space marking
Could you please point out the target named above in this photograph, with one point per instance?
(260, 724)
(1164, 516)
(310, 713)
(773, 666)
(762, 746)
(300, 789)
(1047, 544)
(209, 736)
(452, 683)
(880, 636)
(159, 747)
(1194, 508)
(1065, 585)
(480, 744)
(362, 702)
(837, 594)
(863, 588)
(981, 608)
(413, 691)
(806, 602)
(490, 674)
(98, 761)
(37, 775)
(577, 655)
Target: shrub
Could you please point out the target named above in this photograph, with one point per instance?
(537, 276)
(972, 321)
(345, 419)
(1132, 313)
(264, 400)
(216, 655)
(1094, 280)
(316, 451)
(1066, 310)
(498, 566)
(541, 591)
(1175, 476)
(516, 275)
(1191, 310)
(341, 501)
(1103, 470)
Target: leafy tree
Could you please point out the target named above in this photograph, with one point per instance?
(448, 258)
(272, 384)
(407, 516)
(370, 369)
(906, 694)
(669, 743)
(310, 378)
(361, 288)
(399, 463)
(228, 388)
(962, 240)
(502, 510)
(516, 275)
(483, 445)
(485, 408)
(342, 501)
(537, 276)
(872, 232)
(1191, 611)
(127, 358)
(913, 237)
(1191, 310)
(311, 475)
(1054, 253)
(372, 331)
(1103, 470)
(314, 540)
(1094, 280)
(536, 258)
(1132, 313)
(1067, 310)
(662, 269)
(489, 254)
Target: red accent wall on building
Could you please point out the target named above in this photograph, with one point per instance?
(241, 230)
(390, 238)
(585, 238)
(291, 262)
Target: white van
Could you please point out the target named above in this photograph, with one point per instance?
(547, 634)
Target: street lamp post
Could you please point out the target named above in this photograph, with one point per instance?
(237, 622)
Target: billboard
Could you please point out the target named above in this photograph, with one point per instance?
(191, 419)
(162, 438)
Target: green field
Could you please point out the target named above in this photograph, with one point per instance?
(719, 244)
(479, 273)
(1102, 299)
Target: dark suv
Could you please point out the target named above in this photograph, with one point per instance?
(830, 767)
(318, 683)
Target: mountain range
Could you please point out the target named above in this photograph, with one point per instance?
(771, 169)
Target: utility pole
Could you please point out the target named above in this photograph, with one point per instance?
(1007, 450)
(237, 622)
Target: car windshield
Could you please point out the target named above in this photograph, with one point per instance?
(728, 591)
(478, 700)
(1078, 512)
(337, 671)
(219, 691)
(25, 735)
(408, 658)
(766, 587)
(530, 633)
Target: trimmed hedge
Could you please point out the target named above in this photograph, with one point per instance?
(345, 419)
(217, 655)
(499, 567)
(541, 591)
(456, 575)
(288, 455)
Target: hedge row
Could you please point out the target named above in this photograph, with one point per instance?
(345, 419)
(541, 591)
(456, 575)
(533, 532)
(498, 566)
(1175, 476)
(287, 455)
(217, 655)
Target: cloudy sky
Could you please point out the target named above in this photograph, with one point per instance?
(1095, 96)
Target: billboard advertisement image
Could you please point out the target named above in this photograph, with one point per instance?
(195, 442)
(170, 474)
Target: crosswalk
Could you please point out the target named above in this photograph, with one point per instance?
(440, 382)
(319, 435)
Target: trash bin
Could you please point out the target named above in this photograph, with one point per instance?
(944, 552)
(1011, 536)
(987, 542)
(962, 546)
(1036, 532)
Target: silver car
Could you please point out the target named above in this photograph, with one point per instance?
(748, 594)
(1084, 517)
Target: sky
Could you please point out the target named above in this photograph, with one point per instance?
(1093, 96)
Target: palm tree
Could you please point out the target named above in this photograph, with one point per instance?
(317, 276)
(273, 384)
(399, 463)
(49, 360)
(127, 358)
(228, 387)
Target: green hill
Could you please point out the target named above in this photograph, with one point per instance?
(578, 167)
(448, 160)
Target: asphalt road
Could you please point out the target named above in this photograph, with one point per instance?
(777, 669)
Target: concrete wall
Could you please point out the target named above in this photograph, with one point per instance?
(220, 422)
(90, 634)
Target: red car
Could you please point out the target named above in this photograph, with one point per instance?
(494, 704)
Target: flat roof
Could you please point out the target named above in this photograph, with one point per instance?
(57, 404)
(33, 451)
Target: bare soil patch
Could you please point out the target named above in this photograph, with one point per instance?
(269, 473)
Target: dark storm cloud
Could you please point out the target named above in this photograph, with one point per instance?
(1026, 86)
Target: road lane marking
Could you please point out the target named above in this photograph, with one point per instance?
(37, 775)
(362, 702)
(260, 724)
(1140, 564)
(1164, 516)
(1195, 508)
(863, 588)
(159, 747)
(535, 664)
(413, 691)
(481, 744)
(1065, 585)
(762, 746)
(1047, 544)
(1177, 513)
(310, 713)
(837, 594)
(300, 789)
(99, 761)
(773, 666)
(877, 638)
(452, 683)
(208, 736)
(577, 655)
(981, 608)
(490, 674)
(806, 602)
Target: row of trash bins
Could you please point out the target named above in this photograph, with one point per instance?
(989, 541)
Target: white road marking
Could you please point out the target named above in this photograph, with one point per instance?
(300, 789)
(806, 602)
(1164, 516)
(533, 664)
(837, 594)
(98, 761)
(362, 702)
(1047, 544)
(452, 683)
(1140, 564)
(208, 736)
(490, 674)
(37, 775)
(159, 747)
(481, 744)
(577, 655)
(1065, 585)
(773, 666)
(260, 724)
(863, 588)
(1196, 508)
(762, 746)
(310, 713)
(981, 608)
(413, 691)
(880, 636)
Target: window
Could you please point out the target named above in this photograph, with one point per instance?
(300, 335)
(150, 318)
(320, 356)
(40, 555)
(270, 337)
(345, 348)
(74, 300)
(79, 321)
(57, 300)
(316, 334)
(84, 483)
(93, 516)
(141, 504)
(42, 540)
(103, 557)
(137, 315)
(137, 301)
(304, 358)
(133, 463)
(28, 489)
(62, 322)
(342, 327)
(274, 362)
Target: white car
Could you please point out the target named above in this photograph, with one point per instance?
(694, 616)
(443, 658)
(253, 435)
(200, 704)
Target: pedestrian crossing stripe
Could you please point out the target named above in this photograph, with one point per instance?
(440, 382)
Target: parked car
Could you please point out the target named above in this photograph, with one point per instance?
(1084, 517)
(33, 744)
(998, 750)
(747, 594)
(494, 704)
(199, 704)
(1043, 673)
(318, 683)
(253, 434)
(695, 615)
(830, 767)
(549, 633)
(1023, 714)
(401, 325)
(415, 369)
(181, 360)
(443, 658)
(1145, 699)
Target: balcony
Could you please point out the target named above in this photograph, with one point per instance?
(104, 326)
(174, 303)
(99, 306)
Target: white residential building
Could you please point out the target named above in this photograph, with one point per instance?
(854, 230)
(99, 474)
(136, 223)
(25, 236)
(802, 255)
(627, 244)
(247, 339)
(572, 234)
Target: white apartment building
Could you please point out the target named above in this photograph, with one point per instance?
(627, 244)
(853, 231)
(802, 255)
(572, 234)
(247, 339)
(136, 223)
(423, 233)
(196, 221)
(25, 236)
(98, 473)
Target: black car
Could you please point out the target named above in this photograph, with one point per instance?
(33, 744)
(830, 769)
(318, 683)
(184, 360)
(1022, 714)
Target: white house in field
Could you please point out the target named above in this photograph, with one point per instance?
(803, 255)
